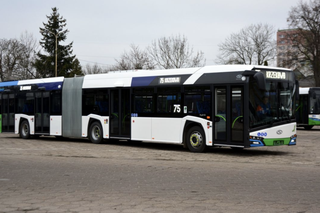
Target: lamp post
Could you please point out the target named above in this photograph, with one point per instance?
(56, 57)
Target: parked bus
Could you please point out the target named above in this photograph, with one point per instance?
(308, 110)
(238, 106)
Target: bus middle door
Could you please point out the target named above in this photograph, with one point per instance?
(120, 119)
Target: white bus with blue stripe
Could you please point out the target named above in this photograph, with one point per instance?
(196, 107)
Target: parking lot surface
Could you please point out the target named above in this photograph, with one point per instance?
(52, 175)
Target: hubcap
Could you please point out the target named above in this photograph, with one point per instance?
(25, 130)
(196, 139)
(96, 133)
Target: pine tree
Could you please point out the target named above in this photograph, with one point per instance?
(53, 33)
(76, 69)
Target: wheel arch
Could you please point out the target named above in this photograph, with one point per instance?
(188, 125)
(21, 119)
(91, 121)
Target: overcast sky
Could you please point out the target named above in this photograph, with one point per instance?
(101, 30)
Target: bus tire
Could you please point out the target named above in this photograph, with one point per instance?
(196, 141)
(25, 129)
(95, 132)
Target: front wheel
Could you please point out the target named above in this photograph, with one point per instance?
(195, 140)
(24, 130)
(95, 132)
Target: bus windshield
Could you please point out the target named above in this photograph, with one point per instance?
(273, 105)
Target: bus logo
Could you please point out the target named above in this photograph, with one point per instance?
(276, 75)
(279, 132)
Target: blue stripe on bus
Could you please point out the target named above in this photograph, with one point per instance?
(51, 85)
(142, 81)
(9, 83)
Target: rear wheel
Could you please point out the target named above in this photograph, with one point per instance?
(24, 129)
(95, 132)
(195, 140)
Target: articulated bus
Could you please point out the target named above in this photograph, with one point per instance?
(308, 111)
(237, 106)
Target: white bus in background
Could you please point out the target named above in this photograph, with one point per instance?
(308, 110)
(196, 107)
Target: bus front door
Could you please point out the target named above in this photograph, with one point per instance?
(229, 117)
(120, 119)
(42, 112)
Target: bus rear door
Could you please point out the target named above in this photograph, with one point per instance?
(8, 109)
(120, 118)
(42, 112)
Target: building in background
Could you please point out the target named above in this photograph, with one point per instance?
(289, 56)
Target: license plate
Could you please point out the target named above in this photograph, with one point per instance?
(278, 142)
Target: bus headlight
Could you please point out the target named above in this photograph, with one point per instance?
(293, 140)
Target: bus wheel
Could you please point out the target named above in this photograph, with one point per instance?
(95, 132)
(196, 139)
(308, 127)
(24, 129)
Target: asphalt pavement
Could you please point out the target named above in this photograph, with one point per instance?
(74, 175)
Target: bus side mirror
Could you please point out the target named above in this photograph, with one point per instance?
(297, 90)
(259, 77)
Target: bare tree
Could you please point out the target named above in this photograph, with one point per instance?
(174, 52)
(10, 55)
(17, 57)
(94, 69)
(252, 45)
(134, 60)
(305, 20)
(30, 47)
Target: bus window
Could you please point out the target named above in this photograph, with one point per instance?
(25, 103)
(169, 100)
(95, 101)
(56, 103)
(197, 101)
(143, 100)
(220, 114)
(237, 114)
(314, 102)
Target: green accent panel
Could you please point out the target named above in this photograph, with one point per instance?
(313, 122)
(0, 123)
(220, 116)
(236, 120)
(276, 141)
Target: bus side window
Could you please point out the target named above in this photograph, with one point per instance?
(169, 100)
(56, 103)
(96, 102)
(197, 100)
(143, 100)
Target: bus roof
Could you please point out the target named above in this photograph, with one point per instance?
(143, 77)
(305, 90)
(128, 78)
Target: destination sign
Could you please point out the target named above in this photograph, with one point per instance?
(275, 75)
(25, 88)
(169, 80)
